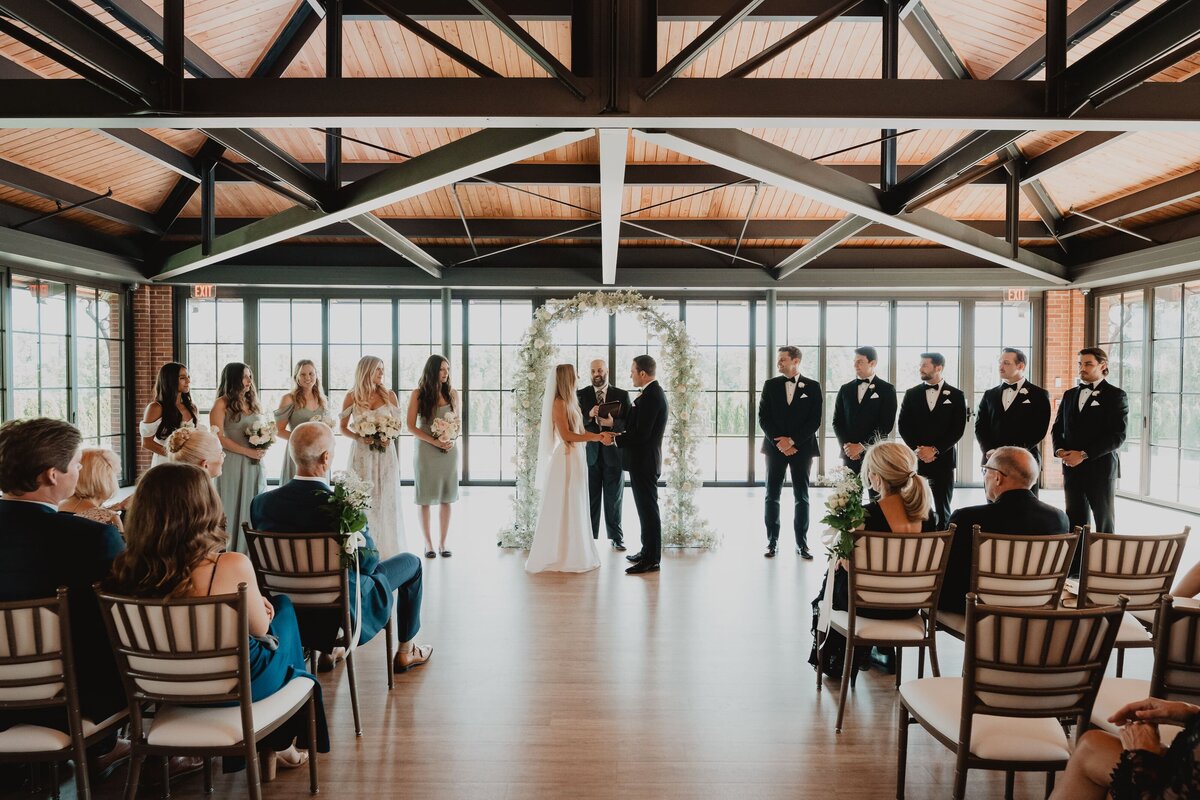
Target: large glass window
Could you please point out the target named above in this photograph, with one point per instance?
(1121, 320)
(99, 377)
(848, 325)
(721, 331)
(288, 330)
(39, 348)
(357, 328)
(420, 336)
(924, 327)
(999, 325)
(215, 338)
(495, 329)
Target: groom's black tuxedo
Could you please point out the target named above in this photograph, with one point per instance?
(641, 453)
(606, 479)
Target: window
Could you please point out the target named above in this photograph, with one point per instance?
(923, 328)
(721, 331)
(495, 329)
(999, 325)
(357, 328)
(39, 349)
(420, 330)
(582, 341)
(214, 338)
(288, 331)
(849, 325)
(1121, 320)
(99, 384)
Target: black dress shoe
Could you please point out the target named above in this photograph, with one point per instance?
(635, 558)
(803, 553)
(770, 551)
(642, 567)
(620, 548)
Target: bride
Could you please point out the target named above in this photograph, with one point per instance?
(562, 540)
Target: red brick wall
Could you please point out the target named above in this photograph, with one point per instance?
(153, 346)
(1064, 325)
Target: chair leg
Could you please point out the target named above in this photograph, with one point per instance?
(899, 665)
(208, 775)
(901, 751)
(253, 772)
(312, 661)
(55, 790)
(1120, 661)
(1049, 783)
(134, 777)
(933, 659)
(83, 786)
(847, 668)
(920, 662)
(350, 676)
(391, 648)
(960, 772)
(166, 778)
(312, 743)
(1009, 785)
(817, 640)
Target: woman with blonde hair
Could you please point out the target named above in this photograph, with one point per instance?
(99, 471)
(198, 447)
(175, 542)
(905, 505)
(370, 399)
(562, 539)
(303, 403)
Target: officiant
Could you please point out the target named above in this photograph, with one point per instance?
(606, 481)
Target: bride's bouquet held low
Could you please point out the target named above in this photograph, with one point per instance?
(380, 429)
(446, 429)
(844, 512)
(261, 433)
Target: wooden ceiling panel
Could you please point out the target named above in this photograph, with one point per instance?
(1124, 166)
(30, 59)
(187, 141)
(241, 200)
(977, 202)
(38, 205)
(913, 148)
(1037, 142)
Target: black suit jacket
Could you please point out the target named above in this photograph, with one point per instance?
(40, 550)
(868, 421)
(1015, 511)
(800, 421)
(1099, 429)
(587, 401)
(1024, 424)
(940, 428)
(641, 443)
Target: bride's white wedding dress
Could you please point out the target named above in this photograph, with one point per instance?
(562, 540)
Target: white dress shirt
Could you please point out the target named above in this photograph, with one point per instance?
(1085, 394)
(1007, 397)
(931, 398)
(790, 387)
(862, 388)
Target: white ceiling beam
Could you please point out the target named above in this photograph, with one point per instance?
(613, 144)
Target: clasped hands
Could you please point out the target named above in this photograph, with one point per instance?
(853, 450)
(607, 437)
(1140, 721)
(786, 446)
(926, 453)
(1072, 458)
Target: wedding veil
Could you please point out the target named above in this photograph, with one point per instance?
(546, 433)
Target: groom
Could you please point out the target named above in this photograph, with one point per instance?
(641, 446)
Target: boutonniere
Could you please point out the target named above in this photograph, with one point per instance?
(799, 384)
(870, 386)
(945, 391)
(1096, 393)
(1023, 390)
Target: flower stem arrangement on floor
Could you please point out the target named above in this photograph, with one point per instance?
(381, 429)
(844, 512)
(348, 504)
(261, 433)
(446, 428)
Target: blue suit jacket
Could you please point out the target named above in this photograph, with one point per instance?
(40, 550)
(298, 507)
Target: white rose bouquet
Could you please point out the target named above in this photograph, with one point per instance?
(325, 419)
(844, 512)
(447, 428)
(261, 433)
(381, 429)
(349, 503)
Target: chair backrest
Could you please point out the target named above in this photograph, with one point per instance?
(1140, 567)
(36, 663)
(180, 650)
(305, 566)
(1177, 653)
(898, 570)
(1022, 570)
(1035, 662)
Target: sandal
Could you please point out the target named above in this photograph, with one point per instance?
(430, 554)
(445, 554)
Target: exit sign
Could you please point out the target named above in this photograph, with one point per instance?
(1016, 295)
(204, 291)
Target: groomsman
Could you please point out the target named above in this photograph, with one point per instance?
(933, 417)
(1014, 413)
(789, 414)
(865, 410)
(606, 478)
(1088, 432)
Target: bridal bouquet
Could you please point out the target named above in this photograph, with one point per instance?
(348, 503)
(844, 512)
(381, 429)
(324, 419)
(261, 433)
(447, 428)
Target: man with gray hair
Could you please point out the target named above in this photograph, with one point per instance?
(301, 506)
(1008, 476)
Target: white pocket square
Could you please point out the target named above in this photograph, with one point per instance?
(1027, 402)
(1095, 403)
(945, 402)
(803, 396)
(874, 396)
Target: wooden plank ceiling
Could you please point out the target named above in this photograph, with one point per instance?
(985, 34)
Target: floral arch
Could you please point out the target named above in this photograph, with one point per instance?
(682, 524)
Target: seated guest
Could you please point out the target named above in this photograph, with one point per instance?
(1136, 765)
(300, 506)
(198, 447)
(175, 543)
(904, 506)
(1012, 507)
(98, 482)
(42, 549)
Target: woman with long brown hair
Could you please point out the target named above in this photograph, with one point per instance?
(171, 409)
(562, 540)
(304, 402)
(242, 477)
(435, 462)
(174, 543)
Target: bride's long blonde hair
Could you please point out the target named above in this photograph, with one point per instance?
(564, 389)
(365, 387)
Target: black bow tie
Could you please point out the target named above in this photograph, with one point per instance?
(864, 380)
(1087, 386)
(1010, 387)
(933, 388)
(792, 380)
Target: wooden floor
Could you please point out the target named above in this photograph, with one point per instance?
(692, 683)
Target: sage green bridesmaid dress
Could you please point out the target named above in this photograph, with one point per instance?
(294, 416)
(435, 470)
(241, 480)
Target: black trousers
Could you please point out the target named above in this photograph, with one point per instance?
(778, 466)
(645, 498)
(1094, 493)
(941, 486)
(403, 573)
(606, 486)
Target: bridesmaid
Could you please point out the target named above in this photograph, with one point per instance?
(172, 407)
(242, 477)
(434, 465)
(381, 469)
(298, 406)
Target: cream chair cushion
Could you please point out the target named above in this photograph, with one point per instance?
(1114, 693)
(955, 622)
(191, 726)
(938, 701)
(911, 629)
(1132, 632)
(40, 739)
